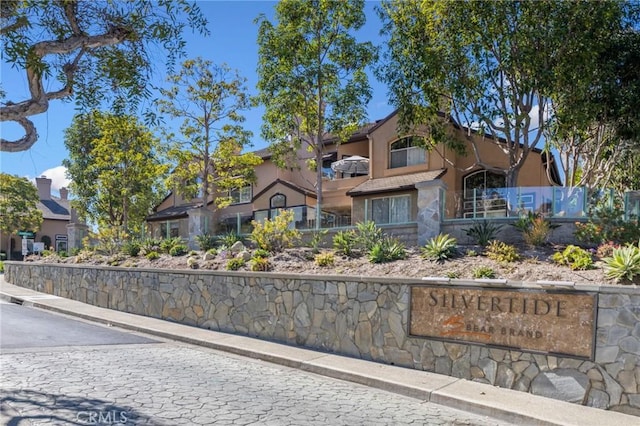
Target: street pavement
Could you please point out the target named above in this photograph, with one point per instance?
(57, 370)
(191, 375)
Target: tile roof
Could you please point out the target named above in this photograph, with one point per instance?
(55, 209)
(395, 183)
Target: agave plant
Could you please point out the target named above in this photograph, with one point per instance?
(624, 263)
(440, 248)
(483, 232)
(387, 250)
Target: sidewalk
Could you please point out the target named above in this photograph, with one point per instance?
(507, 405)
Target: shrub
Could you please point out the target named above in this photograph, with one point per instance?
(471, 253)
(277, 234)
(606, 249)
(368, 235)
(483, 272)
(75, 251)
(261, 253)
(235, 263)
(574, 257)
(260, 264)
(150, 244)
(452, 274)
(316, 239)
(152, 255)
(344, 242)
(178, 250)
(206, 241)
(63, 253)
(168, 243)
(624, 264)
(131, 248)
(502, 252)
(483, 232)
(387, 250)
(192, 263)
(324, 259)
(608, 224)
(1, 266)
(535, 228)
(440, 248)
(109, 241)
(229, 239)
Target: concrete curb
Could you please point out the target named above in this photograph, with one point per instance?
(503, 404)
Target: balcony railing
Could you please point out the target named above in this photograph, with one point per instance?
(548, 201)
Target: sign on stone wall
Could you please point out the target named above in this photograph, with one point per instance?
(539, 321)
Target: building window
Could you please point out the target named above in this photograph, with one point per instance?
(241, 195)
(406, 152)
(170, 229)
(278, 201)
(391, 209)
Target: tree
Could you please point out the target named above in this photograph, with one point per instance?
(209, 99)
(596, 101)
(115, 171)
(312, 78)
(18, 207)
(96, 50)
(488, 66)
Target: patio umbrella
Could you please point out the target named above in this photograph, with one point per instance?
(353, 165)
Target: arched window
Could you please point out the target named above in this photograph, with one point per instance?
(46, 240)
(484, 194)
(481, 182)
(278, 201)
(406, 152)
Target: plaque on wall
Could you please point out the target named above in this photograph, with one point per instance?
(559, 323)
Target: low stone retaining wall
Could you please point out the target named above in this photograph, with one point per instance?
(563, 234)
(362, 317)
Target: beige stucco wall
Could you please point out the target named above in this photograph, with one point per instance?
(532, 172)
(294, 198)
(51, 228)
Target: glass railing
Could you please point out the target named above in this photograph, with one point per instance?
(547, 201)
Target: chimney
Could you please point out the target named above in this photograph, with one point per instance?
(64, 193)
(44, 188)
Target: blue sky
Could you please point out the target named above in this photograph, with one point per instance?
(232, 41)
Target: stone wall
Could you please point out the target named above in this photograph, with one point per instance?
(563, 234)
(360, 317)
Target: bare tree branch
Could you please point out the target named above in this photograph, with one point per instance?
(39, 101)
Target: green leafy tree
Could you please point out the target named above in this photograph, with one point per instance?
(312, 78)
(488, 66)
(209, 99)
(596, 99)
(90, 51)
(115, 170)
(18, 207)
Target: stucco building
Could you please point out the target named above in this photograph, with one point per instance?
(380, 187)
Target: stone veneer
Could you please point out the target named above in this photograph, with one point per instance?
(363, 317)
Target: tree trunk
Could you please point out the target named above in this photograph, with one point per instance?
(511, 179)
(318, 185)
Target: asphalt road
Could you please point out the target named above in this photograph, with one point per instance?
(57, 370)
